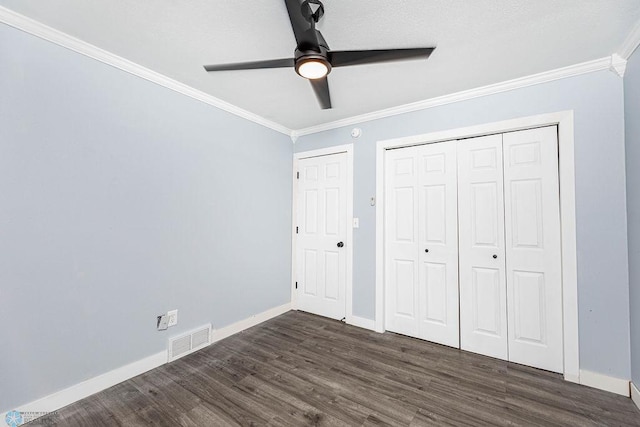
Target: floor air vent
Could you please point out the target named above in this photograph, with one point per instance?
(188, 343)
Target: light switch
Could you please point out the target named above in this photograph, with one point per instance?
(163, 321)
(356, 222)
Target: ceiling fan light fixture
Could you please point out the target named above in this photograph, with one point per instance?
(312, 58)
(313, 68)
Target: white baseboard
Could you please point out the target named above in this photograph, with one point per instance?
(234, 328)
(604, 382)
(72, 394)
(62, 398)
(572, 378)
(361, 322)
(635, 395)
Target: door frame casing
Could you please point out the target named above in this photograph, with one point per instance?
(564, 120)
(338, 149)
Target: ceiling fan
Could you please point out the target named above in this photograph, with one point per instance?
(313, 59)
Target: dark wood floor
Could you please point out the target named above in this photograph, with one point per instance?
(299, 369)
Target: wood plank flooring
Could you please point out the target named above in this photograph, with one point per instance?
(299, 369)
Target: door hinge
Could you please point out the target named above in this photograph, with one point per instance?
(296, 230)
(297, 175)
(296, 285)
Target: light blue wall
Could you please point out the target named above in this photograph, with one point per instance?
(632, 128)
(597, 100)
(120, 200)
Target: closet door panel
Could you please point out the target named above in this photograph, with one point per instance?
(402, 261)
(534, 275)
(438, 248)
(483, 310)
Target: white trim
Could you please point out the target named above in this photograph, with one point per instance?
(631, 43)
(379, 202)
(348, 149)
(294, 211)
(618, 65)
(564, 120)
(79, 391)
(572, 378)
(349, 242)
(60, 38)
(249, 322)
(62, 398)
(294, 266)
(45, 32)
(361, 322)
(567, 178)
(547, 76)
(605, 382)
(294, 136)
(635, 395)
(336, 149)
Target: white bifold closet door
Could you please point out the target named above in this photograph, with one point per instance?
(483, 292)
(476, 222)
(421, 242)
(510, 255)
(533, 248)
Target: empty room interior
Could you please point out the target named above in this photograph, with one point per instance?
(305, 212)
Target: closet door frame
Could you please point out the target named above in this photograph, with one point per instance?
(564, 121)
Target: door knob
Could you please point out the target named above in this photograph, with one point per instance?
(426, 250)
(495, 256)
(340, 244)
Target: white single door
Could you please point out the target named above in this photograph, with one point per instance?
(483, 299)
(401, 241)
(421, 248)
(533, 254)
(321, 256)
(438, 244)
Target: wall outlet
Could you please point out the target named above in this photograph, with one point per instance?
(173, 317)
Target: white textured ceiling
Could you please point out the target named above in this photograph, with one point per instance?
(479, 42)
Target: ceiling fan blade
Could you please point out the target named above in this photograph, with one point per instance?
(305, 35)
(321, 88)
(254, 65)
(342, 58)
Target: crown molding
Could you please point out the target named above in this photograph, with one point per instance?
(618, 65)
(45, 32)
(606, 63)
(631, 43)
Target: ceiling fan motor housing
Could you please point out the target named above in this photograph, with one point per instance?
(312, 52)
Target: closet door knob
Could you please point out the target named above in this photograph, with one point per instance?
(495, 256)
(340, 244)
(426, 250)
